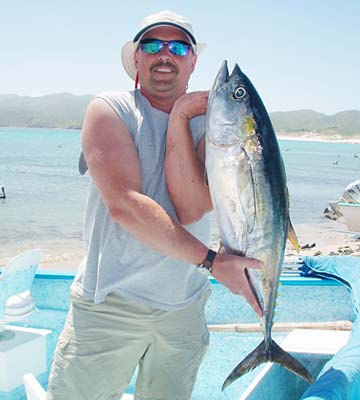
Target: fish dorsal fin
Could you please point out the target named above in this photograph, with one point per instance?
(246, 189)
(292, 236)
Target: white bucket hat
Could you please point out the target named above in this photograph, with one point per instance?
(163, 18)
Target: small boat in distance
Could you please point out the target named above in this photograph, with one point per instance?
(2, 194)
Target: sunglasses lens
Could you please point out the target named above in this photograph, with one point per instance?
(176, 47)
(151, 46)
(179, 48)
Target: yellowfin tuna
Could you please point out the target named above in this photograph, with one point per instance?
(247, 183)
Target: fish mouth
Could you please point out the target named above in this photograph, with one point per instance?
(223, 74)
(224, 123)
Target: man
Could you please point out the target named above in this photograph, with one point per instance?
(139, 296)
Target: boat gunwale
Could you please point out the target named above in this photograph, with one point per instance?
(285, 280)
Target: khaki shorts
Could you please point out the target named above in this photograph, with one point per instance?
(102, 344)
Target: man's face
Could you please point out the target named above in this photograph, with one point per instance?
(164, 74)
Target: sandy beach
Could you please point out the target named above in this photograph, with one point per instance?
(57, 255)
(327, 238)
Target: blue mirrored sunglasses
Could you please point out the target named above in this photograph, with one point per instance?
(176, 47)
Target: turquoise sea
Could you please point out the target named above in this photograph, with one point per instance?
(46, 195)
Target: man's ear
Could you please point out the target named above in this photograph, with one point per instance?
(193, 63)
(136, 58)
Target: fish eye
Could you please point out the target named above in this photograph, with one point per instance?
(239, 93)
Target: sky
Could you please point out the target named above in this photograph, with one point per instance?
(298, 54)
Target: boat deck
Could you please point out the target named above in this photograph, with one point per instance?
(296, 302)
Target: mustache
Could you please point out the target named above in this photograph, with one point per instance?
(168, 64)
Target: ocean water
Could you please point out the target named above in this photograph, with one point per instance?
(46, 195)
(316, 173)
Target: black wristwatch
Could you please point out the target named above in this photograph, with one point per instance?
(205, 267)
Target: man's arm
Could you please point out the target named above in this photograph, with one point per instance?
(113, 163)
(184, 164)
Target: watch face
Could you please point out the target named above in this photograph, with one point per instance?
(203, 271)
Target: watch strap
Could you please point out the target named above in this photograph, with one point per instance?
(209, 260)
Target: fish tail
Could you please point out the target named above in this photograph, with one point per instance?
(274, 353)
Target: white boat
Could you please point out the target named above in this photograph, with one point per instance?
(348, 207)
(351, 215)
(28, 346)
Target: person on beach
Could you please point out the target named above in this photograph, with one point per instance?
(139, 295)
(2, 194)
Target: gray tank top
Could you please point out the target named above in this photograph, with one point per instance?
(115, 261)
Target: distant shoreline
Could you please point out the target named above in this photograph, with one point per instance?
(317, 137)
(281, 135)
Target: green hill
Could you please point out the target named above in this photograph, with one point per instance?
(62, 110)
(65, 110)
(345, 123)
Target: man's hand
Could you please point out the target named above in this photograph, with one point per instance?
(191, 105)
(230, 270)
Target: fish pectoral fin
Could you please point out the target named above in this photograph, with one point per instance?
(292, 236)
(261, 354)
(246, 188)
